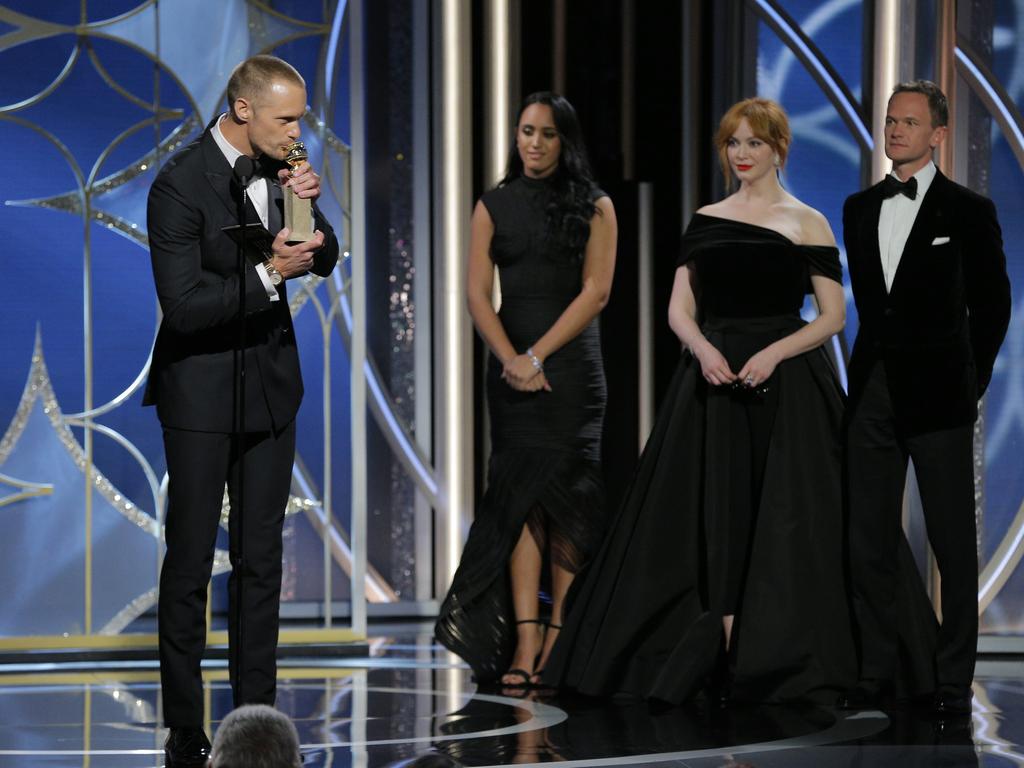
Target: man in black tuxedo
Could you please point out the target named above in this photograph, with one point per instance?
(193, 378)
(929, 279)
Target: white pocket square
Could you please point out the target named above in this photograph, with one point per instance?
(940, 241)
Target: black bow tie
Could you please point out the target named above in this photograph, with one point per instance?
(893, 186)
(265, 168)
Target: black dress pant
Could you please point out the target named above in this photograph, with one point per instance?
(876, 459)
(198, 465)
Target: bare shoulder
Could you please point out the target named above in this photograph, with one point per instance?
(814, 227)
(720, 208)
(480, 211)
(604, 206)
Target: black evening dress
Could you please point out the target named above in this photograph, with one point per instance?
(544, 470)
(735, 507)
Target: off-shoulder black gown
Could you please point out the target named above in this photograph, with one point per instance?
(544, 469)
(735, 508)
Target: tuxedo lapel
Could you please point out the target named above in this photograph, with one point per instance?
(869, 239)
(927, 223)
(275, 207)
(218, 174)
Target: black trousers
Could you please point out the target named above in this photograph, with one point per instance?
(876, 462)
(198, 465)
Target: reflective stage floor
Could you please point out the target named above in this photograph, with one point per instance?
(409, 698)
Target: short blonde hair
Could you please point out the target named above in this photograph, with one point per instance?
(767, 120)
(250, 79)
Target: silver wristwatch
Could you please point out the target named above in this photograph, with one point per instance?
(275, 276)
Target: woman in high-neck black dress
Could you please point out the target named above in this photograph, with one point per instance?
(726, 558)
(551, 233)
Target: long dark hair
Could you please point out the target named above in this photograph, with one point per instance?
(572, 205)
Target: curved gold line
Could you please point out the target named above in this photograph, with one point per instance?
(61, 77)
(121, 398)
(85, 29)
(168, 145)
(29, 29)
(28, 490)
(1007, 118)
(153, 58)
(27, 484)
(133, 451)
(116, 86)
(1005, 559)
(262, 6)
(75, 168)
(39, 387)
(155, 120)
(105, 184)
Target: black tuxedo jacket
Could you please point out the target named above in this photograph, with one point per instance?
(938, 329)
(195, 268)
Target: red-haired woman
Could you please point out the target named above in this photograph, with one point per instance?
(725, 561)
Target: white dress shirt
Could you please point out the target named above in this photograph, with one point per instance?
(256, 190)
(895, 221)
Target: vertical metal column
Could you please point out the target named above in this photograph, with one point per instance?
(692, 75)
(453, 350)
(558, 46)
(358, 292)
(501, 84)
(501, 91)
(886, 76)
(945, 74)
(421, 240)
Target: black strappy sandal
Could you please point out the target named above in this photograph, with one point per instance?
(539, 673)
(522, 673)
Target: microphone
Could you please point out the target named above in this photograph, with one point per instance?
(243, 170)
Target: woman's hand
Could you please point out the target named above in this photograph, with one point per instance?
(759, 367)
(521, 374)
(713, 365)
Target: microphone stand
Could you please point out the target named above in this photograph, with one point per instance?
(243, 171)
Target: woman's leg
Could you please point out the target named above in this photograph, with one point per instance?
(561, 580)
(524, 568)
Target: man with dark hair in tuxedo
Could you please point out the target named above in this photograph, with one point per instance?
(933, 298)
(194, 384)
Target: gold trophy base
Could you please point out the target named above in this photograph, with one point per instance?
(298, 217)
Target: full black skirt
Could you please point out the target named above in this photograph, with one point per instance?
(646, 620)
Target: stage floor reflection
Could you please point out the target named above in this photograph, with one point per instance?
(409, 698)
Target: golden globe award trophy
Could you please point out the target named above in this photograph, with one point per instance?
(298, 212)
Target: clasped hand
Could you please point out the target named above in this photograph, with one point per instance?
(715, 368)
(297, 259)
(520, 374)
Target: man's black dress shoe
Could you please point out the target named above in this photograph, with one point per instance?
(864, 695)
(186, 747)
(952, 704)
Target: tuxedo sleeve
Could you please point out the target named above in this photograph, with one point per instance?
(192, 299)
(326, 258)
(987, 288)
(849, 226)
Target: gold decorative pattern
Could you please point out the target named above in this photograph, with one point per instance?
(28, 490)
(38, 387)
